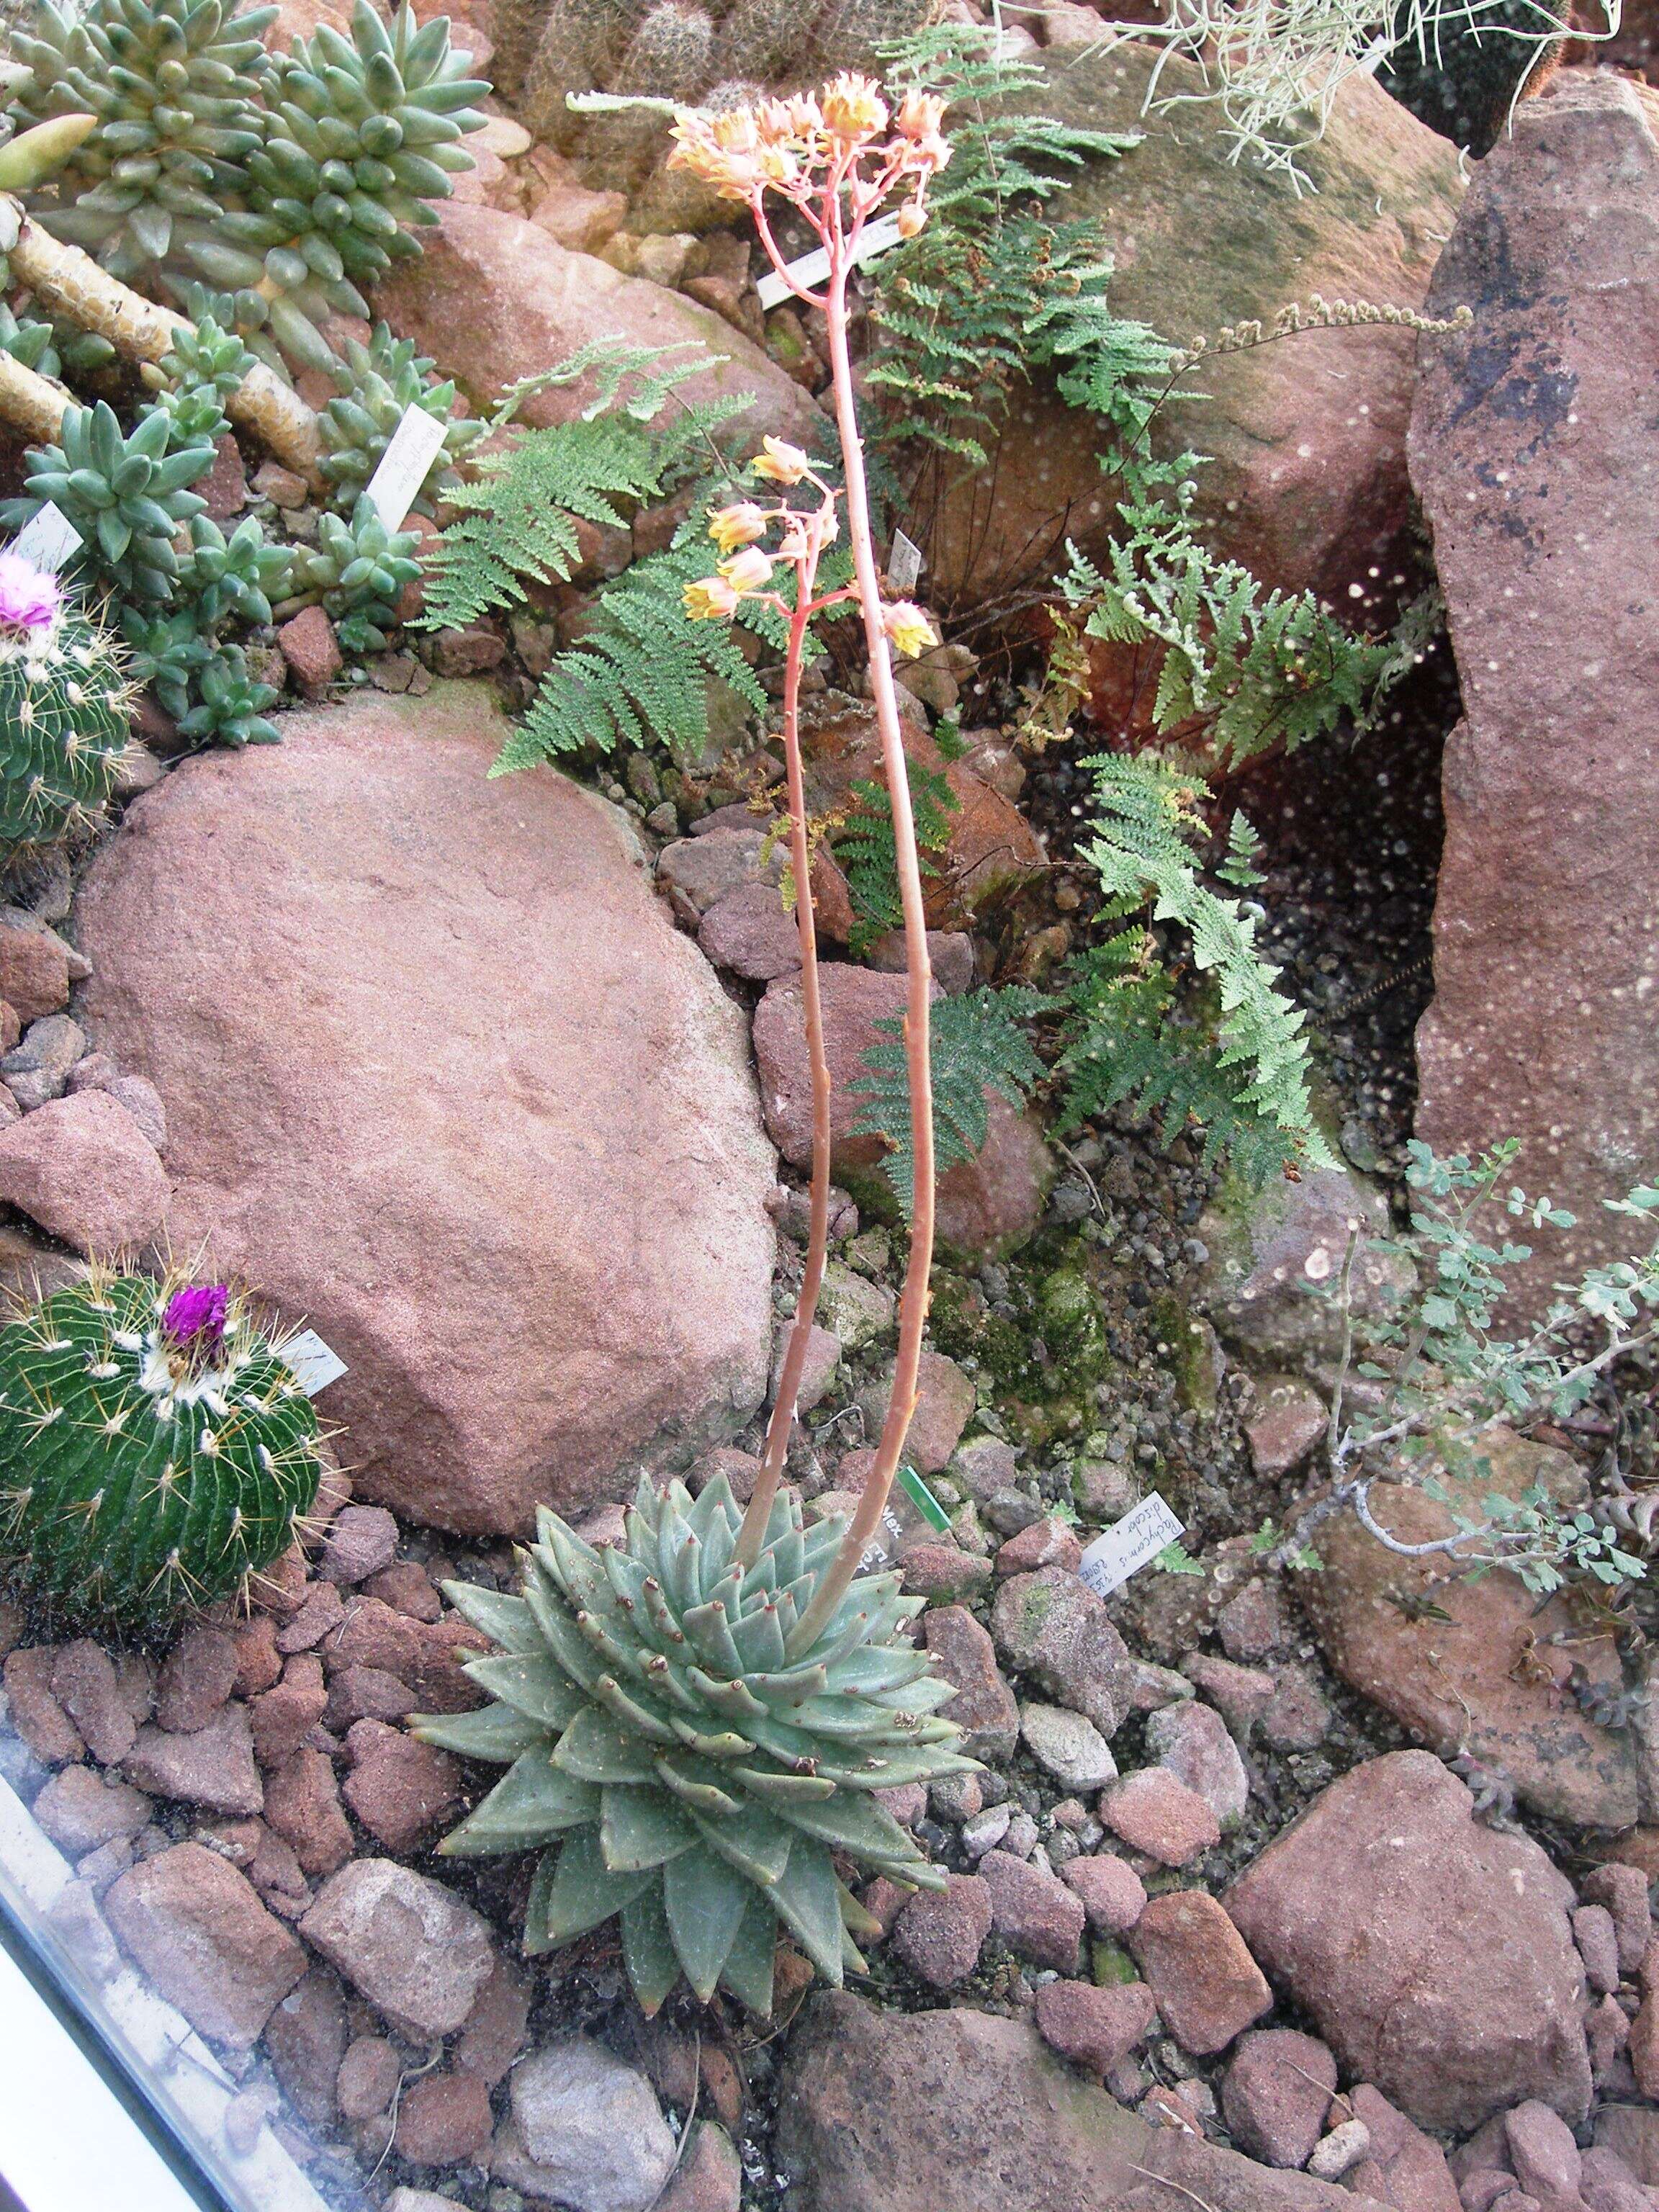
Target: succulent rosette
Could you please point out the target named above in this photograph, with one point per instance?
(678, 1761)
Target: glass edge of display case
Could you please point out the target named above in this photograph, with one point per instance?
(149, 2061)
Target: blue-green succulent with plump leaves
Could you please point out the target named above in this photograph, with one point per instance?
(355, 571)
(156, 1449)
(676, 1763)
(126, 493)
(377, 384)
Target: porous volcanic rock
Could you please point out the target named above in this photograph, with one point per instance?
(1536, 473)
(442, 1077)
(890, 2112)
(1437, 1961)
(494, 298)
(1306, 479)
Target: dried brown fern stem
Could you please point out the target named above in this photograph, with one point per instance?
(72, 284)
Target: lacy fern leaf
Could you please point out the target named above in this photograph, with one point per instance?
(978, 1048)
(868, 857)
(519, 516)
(641, 672)
(1143, 850)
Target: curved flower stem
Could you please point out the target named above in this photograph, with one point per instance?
(753, 1532)
(913, 1304)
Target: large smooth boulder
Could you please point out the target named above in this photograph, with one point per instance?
(890, 2112)
(1434, 1954)
(1537, 473)
(443, 1080)
(1306, 480)
(494, 298)
(1479, 1666)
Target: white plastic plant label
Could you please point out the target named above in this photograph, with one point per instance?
(876, 239)
(903, 563)
(47, 539)
(315, 1365)
(1140, 1535)
(414, 445)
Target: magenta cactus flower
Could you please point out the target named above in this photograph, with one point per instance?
(29, 599)
(195, 1317)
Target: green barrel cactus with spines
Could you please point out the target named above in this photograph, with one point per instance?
(677, 1764)
(155, 1451)
(377, 384)
(577, 49)
(849, 31)
(65, 704)
(758, 39)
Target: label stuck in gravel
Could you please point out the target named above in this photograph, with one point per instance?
(414, 445)
(1140, 1535)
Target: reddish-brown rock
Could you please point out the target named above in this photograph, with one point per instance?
(86, 1685)
(891, 2111)
(443, 2119)
(399, 1790)
(494, 298)
(34, 978)
(940, 1933)
(994, 1201)
(1095, 2028)
(1439, 1963)
(302, 1805)
(1114, 1895)
(410, 1945)
(1307, 480)
(1410, 2168)
(1033, 1911)
(1484, 1671)
(1207, 1986)
(311, 650)
(1532, 468)
(82, 1168)
(196, 1928)
(1276, 2093)
(211, 1766)
(984, 1706)
(305, 2038)
(483, 1197)
(1155, 1812)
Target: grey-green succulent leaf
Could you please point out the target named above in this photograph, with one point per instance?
(692, 1774)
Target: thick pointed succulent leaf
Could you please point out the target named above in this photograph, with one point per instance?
(530, 1803)
(854, 1823)
(756, 1841)
(748, 1969)
(595, 1748)
(759, 1638)
(641, 1828)
(690, 1781)
(780, 1789)
(507, 1621)
(533, 1685)
(584, 1891)
(809, 1905)
(648, 1953)
(635, 1715)
(705, 1898)
(493, 1732)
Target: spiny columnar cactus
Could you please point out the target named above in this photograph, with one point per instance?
(684, 1767)
(154, 1450)
(64, 705)
(675, 49)
(379, 382)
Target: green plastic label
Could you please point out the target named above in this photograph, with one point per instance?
(923, 1499)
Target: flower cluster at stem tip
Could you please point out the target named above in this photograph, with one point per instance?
(794, 146)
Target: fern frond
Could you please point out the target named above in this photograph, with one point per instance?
(866, 852)
(641, 672)
(1123, 1042)
(1142, 848)
(977, 1047)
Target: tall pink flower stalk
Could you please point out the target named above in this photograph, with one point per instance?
(836, 158)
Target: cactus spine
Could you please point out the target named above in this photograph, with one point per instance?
(65, 704)
(154, 1450)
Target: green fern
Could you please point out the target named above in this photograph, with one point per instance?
(1256, 668)
(868, 856)
(1120, 1042)
(1124, 1040)
(642, 672)
(977, 1047)
(519, 516)
(993, 287)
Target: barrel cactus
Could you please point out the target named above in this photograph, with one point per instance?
(154, 1450)
(683, 1766)
(64, 705)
